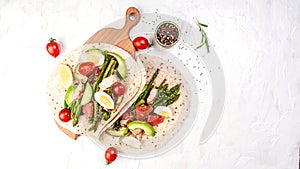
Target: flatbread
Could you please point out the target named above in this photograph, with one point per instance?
(134, 83)
(170, 127)
(56, 91)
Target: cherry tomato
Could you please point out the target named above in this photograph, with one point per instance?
(140, 43)
(53, 47)
(110, 155)
(155, 119)
(143, 111)
(86, 68)
(118, 88)
(65, 115)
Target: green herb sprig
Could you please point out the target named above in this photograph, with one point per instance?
(204, 40)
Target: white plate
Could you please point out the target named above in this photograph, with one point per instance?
(202, 70)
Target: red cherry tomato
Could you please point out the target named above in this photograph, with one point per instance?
(140, 43)
(118, 88)
(86, 68)
(53, 47)
(143, 111)
(65, 115)
(110, 155)
(155, 119)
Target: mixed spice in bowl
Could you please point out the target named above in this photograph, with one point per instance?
(167, 34)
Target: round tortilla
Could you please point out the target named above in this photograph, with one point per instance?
(56, 92)
(168, 129)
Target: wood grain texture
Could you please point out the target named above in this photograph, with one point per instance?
(119, 37)
(67, 132)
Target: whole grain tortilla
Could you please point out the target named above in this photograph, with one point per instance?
(170, 127)
(56, 92)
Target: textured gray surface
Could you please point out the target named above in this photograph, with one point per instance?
(258, 43)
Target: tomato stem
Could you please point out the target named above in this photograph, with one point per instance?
(52, 40)
(107, 163)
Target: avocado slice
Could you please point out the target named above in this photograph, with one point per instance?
(122, 131)
(87, 94)
(122, 69)
(94, 50)
(148, 129)
(69, 94)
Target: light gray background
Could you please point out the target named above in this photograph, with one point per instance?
(258, 43)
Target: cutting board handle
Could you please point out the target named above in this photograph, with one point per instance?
(133, 17)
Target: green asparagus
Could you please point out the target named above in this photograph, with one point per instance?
(109, 67)
(146, 91)
(96, 117)
(77, 114)
(100, 77)
(166, 97)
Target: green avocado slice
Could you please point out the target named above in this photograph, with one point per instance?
(87, 94)
(94, 50)
(69, 95)
(122, 131)
(122, 69)
(148, 129)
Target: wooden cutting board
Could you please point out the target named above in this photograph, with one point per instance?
(117, 37)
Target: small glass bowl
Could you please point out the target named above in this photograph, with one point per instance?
(167, 34)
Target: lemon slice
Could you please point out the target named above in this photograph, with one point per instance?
(132, 142)
(163, 111)
(65, 75)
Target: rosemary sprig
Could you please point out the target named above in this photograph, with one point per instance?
(204, 40)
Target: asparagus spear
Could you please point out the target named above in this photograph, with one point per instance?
(96, 117)
(73, 106)
(165, 96)
(175, 89)
(172, 100)
(77, 113)
(161, 84)
(112, 68)
(100, 77)
(143, 96)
